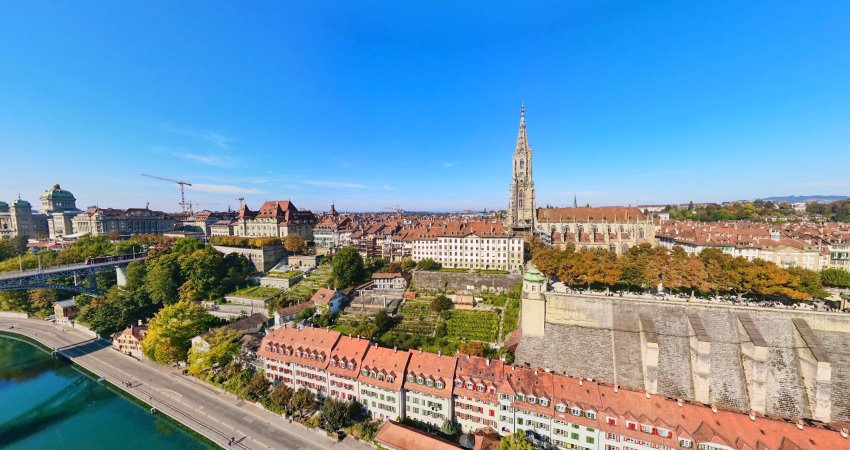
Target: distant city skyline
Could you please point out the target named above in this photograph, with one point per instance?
(418, 106)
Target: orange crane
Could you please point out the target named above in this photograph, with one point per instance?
(184, 207)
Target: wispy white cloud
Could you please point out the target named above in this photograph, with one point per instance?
(335, 184)
(206, 159)
(224, 189)
(388, 187)
(447, 164)
(210, 137)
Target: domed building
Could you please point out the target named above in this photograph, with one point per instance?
(57, 199)
(60, 206)
(18, 218)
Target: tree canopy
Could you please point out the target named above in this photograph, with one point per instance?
(294, 243)
(171, 330)
(347, 268)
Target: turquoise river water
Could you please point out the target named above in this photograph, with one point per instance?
(46, 403)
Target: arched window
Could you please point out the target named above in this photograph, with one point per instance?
(625, 248)
(612, 248)
(522, 164)
(641, 233)
(520, 199)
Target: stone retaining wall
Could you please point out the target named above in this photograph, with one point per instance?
(599, 337)
(465, 282)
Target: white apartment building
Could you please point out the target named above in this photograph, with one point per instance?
(428, 387)
(476, 402)
(299, 357)
(380, 382)
(346, 360)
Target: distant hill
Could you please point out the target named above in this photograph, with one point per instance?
(807, 198)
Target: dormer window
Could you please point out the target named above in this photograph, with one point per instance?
(520, 397)
(430, 383)
(321, 358)
(646, 429)
(686, 443)
(480, 387)
(420, 380)
(469, 385)
(611, 421)
(298, 353)
(631, 425)
(458, 383)
(532, 399)
(381, 376)
(576, 411)
(268, 347)
(372, 374)
(288, 352)
(544, 402)
(333, 363)
(663, 433)
(439, 384)
(410, 378)
(590, 414)
(390, 378)
(492, 390)
(351, 365)
(560, 407)
(364, 372)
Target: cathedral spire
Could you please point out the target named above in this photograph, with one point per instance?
(522, 137)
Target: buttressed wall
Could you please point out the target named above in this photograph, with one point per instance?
(789, 363)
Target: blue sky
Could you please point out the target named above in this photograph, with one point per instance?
(416, 104)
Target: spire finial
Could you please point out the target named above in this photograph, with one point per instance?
(522, 113)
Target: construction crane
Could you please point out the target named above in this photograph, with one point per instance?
(241, 202)
(182, 184)
(193, 204)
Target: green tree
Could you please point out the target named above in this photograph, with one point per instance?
(428, 264)
(448, 428)
(808, 281)
(163, 279)
(294, 243)
(257, 388)
(171, 330)
(186, 246)
(441, 303)
(334, 414)
(835, 278)
(104, 315)
(15, 301)
(224, 347)
(474, 348)
(407, 264)
(516, 441)
(382, 320)
(280, 397)
(347, 268)
(43, 299)
(302, 403)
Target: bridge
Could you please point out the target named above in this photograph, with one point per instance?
(47, 277)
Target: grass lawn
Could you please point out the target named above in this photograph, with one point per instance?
(289, 274)
(255, 292)
(451, 269)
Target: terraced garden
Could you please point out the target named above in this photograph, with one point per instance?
(472, 325)
(511, 317)
(417, 318)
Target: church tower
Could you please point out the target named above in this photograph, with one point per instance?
(521, 209)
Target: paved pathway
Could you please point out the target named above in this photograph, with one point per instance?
(217, 415)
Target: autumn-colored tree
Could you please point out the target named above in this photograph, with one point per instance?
(474, 348)
(599, 266)
(686, 272)
(294, 243)
(766, 279)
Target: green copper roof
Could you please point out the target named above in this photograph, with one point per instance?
(534, 275)
(56, 192)
(21, 202)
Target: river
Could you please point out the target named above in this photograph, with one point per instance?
(46, 403)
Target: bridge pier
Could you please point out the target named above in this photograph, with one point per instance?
(121, 275)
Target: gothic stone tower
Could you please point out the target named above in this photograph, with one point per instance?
(521, 209)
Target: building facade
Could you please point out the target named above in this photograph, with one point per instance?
(556, 410)
(273, 219)
(60, 207)
(103, 221)
(613, 228)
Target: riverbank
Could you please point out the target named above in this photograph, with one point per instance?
(216, 416)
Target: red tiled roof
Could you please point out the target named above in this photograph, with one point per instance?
(400, 437)
(387, 361)
(431, 367)
(307, 340)
(348, 349)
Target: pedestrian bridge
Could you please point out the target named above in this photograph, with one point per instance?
(50, 277)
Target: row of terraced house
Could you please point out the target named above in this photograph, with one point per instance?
(557, 410)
